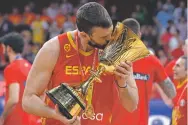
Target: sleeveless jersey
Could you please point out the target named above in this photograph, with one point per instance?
(70, 66)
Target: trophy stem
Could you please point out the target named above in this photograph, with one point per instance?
(94, 76)
(86, 90)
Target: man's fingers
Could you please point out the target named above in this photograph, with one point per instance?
(61, 117)
(122, 70)
(71, 121)
(120, 74)
(74, 121)
(57, 109)
(129, 63)
(77, 122)
(126, 65)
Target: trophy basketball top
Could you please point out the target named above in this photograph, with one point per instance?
(124, 45)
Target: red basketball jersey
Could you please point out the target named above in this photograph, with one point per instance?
(68, 69)
(146, 71)
(17, 72)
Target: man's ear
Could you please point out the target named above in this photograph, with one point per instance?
(84, 35)
(9, 49)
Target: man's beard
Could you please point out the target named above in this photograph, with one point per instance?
(95, 45)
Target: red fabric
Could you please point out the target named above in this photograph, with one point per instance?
(34, 120)
(166, 38)
(17, 72)
(169, 70)
(146, 72)
(102, 93)
(179, 115)
(176, 53)
(1, 54)
(1, 50)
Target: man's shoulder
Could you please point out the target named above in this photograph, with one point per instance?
(23, 63)
(10, 67)
(149, 59)
(48, 54)
(16, 64)
(55, 43)
(154, 60)
(51, 45)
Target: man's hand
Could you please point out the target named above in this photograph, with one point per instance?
(127, 89)
(74, 121)
(123, 72)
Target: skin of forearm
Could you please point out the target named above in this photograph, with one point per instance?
(8, 108)
(129, 96)
(168, 88)
(41, 109)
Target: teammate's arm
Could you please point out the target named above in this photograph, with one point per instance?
(166, 100)
(13, 99)
(163, 80)
(168, 88)
(38, 80)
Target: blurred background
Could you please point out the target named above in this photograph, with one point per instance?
(163, 28)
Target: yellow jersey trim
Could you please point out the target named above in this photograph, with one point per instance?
(180, 84)
(74, 46)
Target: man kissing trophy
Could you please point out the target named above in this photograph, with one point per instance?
(123, 46)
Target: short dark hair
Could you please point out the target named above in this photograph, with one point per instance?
(14, 40)
(92, 15)
(185, 58)
(133, 24)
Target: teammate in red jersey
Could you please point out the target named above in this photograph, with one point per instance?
(15, 76)
(146, 71)
(179, 114)
(67, 58)
(171, 64)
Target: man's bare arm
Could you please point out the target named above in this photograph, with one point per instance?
(14, 90)
(168, 88)
(129, 96)
(128, 92)
(38, 80)
(37, 83)
(166, 100)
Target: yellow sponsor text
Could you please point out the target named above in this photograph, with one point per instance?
(76, 70)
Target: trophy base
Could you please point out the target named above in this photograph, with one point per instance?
(67, 99)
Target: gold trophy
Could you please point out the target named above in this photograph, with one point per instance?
(124, 46)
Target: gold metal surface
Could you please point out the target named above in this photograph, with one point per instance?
(75, 110)
(125, 45)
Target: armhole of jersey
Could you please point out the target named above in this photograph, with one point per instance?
(61, 39)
